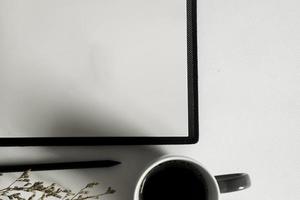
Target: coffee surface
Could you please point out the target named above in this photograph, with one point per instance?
(174, 180)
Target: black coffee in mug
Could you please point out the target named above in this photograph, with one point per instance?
(174, 180)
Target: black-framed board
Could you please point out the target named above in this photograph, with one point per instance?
(98, 72)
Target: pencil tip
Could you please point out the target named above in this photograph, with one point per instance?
(114, 162)
(117, 163)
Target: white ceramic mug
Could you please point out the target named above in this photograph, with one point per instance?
(214, 184)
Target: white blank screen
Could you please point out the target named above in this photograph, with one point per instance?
(93, 68)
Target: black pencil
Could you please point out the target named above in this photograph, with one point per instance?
(59, 166)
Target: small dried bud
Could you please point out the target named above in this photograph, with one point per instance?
(53, 185)
(66, 191)
(57, 196)
(24, 180)
(17, 188)
(25, 174)
(43, 196)
(110, 190)
(15, 195)
(32, 196)
(90, 185)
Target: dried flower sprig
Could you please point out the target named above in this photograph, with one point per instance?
(39, 190)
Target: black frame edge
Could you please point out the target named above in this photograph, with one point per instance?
(193, 135)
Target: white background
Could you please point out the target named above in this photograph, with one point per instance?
(249, 78)
(249, 97)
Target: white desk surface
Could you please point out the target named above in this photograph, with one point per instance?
(249, 97)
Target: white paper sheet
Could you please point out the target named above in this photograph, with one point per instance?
(93, 68)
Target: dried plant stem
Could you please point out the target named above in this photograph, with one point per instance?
(26, 185)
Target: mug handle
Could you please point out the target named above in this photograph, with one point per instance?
(233, 182)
